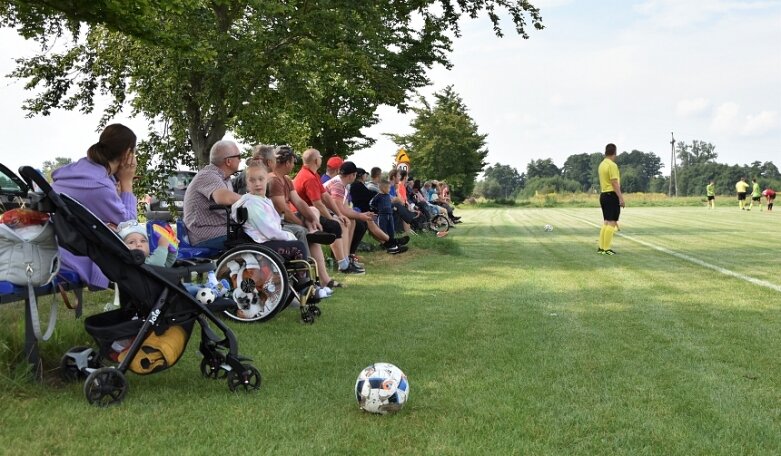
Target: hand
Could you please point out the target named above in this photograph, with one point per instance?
(621, 202)
(344, 220)
(127, 171)
(367, 216)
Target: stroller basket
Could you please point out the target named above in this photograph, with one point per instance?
(115, 330)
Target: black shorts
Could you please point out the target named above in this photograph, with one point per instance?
(741, 196)
(331, 226)
(711, 197)
(754, 198)
(611, 209)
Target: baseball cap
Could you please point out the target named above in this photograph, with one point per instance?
(361, 172)
(334, 162)
(347, 167)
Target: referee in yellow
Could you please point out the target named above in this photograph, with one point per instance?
(610, 199)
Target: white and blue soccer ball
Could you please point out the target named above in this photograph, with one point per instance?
(381, 388)
(548, 227)
(205, 295)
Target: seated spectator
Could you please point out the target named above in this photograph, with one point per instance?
(374, 184)
(211, 185)
(402, 215)
(360, 194)
(440, 188)
(259, 152)
(309, 187)
(422, 203)
(331, 168)
(282, 193)
(103, 183)
(362, 221)
(264, 224)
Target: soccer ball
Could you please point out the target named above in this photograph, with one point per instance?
(381, 388)
(548, 227)
(205, 295)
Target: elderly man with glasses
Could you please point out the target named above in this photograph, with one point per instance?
(212, 185)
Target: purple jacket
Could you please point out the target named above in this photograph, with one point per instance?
(90, 184)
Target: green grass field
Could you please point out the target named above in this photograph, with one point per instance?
(515, 341)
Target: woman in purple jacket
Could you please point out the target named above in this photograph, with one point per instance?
(102, 182)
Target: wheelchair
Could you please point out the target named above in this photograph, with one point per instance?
(262, 282)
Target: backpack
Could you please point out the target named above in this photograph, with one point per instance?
(29, 257)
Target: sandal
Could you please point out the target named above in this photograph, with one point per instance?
(334, 284)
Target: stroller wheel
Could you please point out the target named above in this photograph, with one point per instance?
(212, 367)
(75, 361)
(105, 386)
(307, 317)
(249, 378)
(315, 311)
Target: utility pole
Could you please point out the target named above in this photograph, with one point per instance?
(673, 172)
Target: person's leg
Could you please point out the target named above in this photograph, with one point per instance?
(350, 231)
(359, 230)
(300, 233)
(217, 243)
(376, 232)
(322, 270)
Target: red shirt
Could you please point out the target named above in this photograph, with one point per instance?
(308, 186)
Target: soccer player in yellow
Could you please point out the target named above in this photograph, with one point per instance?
(756, 195)
(741, 188)
(710, 191)
(610, 199)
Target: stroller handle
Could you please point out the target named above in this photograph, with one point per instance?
(31, 175)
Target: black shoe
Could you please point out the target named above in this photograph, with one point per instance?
(402, 240)
(396, 249)
(352, 269)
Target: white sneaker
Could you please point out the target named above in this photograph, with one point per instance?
(322, 294)
(327, 290)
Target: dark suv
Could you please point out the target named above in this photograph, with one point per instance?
(177, 184)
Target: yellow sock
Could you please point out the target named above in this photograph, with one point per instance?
(609, 232)
(602, 237)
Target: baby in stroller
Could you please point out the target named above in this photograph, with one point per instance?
(156, 312)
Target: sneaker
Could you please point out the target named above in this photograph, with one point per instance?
(396, 249)
(601, 251)
(608, 252)
(352, 269)
(322, 294)
(402, 240)
(354, 260)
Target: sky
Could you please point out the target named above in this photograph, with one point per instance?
(626, 72)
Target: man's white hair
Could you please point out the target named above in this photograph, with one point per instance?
(221, 149)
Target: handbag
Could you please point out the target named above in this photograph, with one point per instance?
(29, 257)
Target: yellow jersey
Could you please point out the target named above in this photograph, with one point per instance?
(608, 170)
(741, 187)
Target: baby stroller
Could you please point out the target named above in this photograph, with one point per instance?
(150, 330)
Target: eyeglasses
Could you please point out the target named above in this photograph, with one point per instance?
(233, 156)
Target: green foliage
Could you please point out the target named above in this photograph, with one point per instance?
(301, 72)
(542, 168)
(546, 185)
(50, 165)
(445, 144)
(500, 182)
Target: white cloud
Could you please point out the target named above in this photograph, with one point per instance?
(762, 123)
(683, 13)
(692, 107)
(725, 118)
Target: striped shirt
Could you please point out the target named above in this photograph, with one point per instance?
(201, 222)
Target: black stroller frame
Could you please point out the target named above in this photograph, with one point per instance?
(81, 233)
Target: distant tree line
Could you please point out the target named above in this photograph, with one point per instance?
(640, 172)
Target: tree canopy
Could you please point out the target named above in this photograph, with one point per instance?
(445, 143)
(315, 70)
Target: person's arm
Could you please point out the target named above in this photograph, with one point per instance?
(330, 204)
(225, 196)
(617, 188)
(311, 222)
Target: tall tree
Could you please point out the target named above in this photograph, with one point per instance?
(501, 181)
(50, 165)
(204, 67)
(579, 167)
(542, 168)
(445, 143)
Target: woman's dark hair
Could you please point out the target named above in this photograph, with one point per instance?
(114, 141)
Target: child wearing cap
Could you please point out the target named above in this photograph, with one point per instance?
(134, 235)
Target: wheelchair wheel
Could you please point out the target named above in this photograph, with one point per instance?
(439, 224)
(259, 282)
